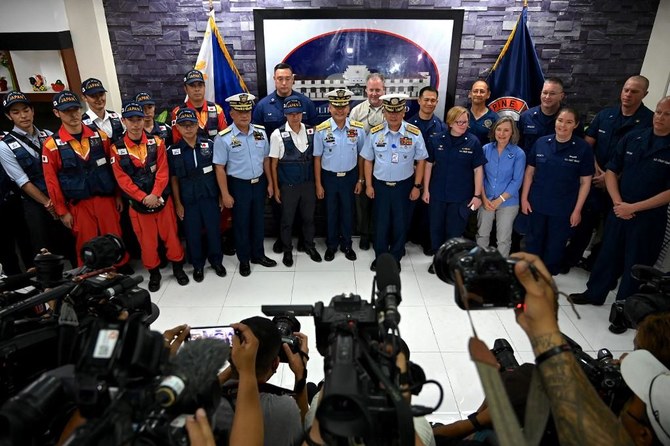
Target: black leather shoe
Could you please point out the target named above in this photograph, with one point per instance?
(350, 254)
(431, 269)
(198, 275)
(245, 269)
(179, 274)
(364, 243)
(313, 254)
(264, 261)
(373, 265)
(278, 247)
(288, 259)
(154, 279)
(329, 255)
(582, 299)
(220, 270)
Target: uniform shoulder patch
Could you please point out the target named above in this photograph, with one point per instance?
(225, 131)
(357, 124)
(323, 126)
(258, 126)
(376, 128)
(412, 129)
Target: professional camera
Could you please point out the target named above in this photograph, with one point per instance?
(287, 325)
(482, 277)
(358, 340)
(35, 337)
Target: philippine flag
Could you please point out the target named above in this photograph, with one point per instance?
(221, 76)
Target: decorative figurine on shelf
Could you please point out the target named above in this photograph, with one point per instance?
(3, 84)
(58, 86)
(38, 82)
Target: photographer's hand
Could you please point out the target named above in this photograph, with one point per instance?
(580, 416)
(199, 431)
(248, 420)
(297, 362)
(174, 337)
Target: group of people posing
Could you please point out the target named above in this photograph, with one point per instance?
(389, 175)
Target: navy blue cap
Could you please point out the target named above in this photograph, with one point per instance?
(144, 98)
(193, 76)
(14, 97)
(66, 100)
(522, 223)
(92, 86)
(464, 211)
(132, 109)
(293, 104)
(186, 115)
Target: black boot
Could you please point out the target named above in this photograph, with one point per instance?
(154, 279)
(179, 274)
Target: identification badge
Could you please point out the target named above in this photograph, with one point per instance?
(101, 162)
(284, 134)
(122, 152)
(207, 169)
(14, 145)
(176, 151)
(105, 343)
(395, 158)
(405, 141)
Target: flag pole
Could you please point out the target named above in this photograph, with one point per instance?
(211, 5)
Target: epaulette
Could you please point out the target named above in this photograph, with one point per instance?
(412, 129)
(258, 126)
(323, 126)
(376, 128)
(358, 124)
(224, 131)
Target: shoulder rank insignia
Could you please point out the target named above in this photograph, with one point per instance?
(357, 124)
(225, 131)
(258, 126)
(412, 129)
(323, 126)
(377, 128)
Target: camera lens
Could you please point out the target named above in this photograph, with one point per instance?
(447, 257)
(287, 325)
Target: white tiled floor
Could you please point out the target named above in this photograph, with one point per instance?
(435, 329)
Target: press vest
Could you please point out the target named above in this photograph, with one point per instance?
(143, 177)
(31, 166)
(194, 182)
(80, 179)
(296, 167)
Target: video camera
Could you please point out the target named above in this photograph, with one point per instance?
(653, 297)
(43, 314)
(361, 396)
(482, 277)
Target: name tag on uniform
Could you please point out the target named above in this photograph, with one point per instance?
(14, 145)
(122, 152)
(207, 169)
(153, 168)
(284, 134)
(405, 141)
(395, 158)
(176, 151)
(101, 162)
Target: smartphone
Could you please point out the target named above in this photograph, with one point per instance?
(225, 332)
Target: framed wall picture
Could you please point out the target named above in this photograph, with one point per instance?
(338, 48)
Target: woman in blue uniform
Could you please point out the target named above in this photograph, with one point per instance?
(453, 178)
(503, 176)
(556, 183)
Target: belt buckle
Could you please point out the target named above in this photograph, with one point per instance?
(341, 174)
(391, 183)
(255, 180)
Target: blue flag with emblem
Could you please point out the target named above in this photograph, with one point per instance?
(221, 76)
(516, 78)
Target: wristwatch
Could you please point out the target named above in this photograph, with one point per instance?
(418, 186)
(362, 181)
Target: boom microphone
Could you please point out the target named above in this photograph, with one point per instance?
(388, 284)
(192, 381)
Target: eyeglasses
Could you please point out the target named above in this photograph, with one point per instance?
(460, 122)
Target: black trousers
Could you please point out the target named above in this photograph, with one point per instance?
(13, 233)
(296, 197)
(47, 232)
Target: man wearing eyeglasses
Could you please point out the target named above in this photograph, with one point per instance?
(370, 113)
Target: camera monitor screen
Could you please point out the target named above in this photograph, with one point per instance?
(225, 332)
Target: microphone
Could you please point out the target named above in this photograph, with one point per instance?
(192, 381)
(125, 284)
(388, 284)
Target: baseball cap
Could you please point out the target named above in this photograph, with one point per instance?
(186, 115)
(132, 109)
(293, 104)
(66, 100)
(650, 381)
(92, 86)
(14, 97)
(193, 76)
(144, 98)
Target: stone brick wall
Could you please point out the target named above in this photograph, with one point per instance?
(593, 45)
